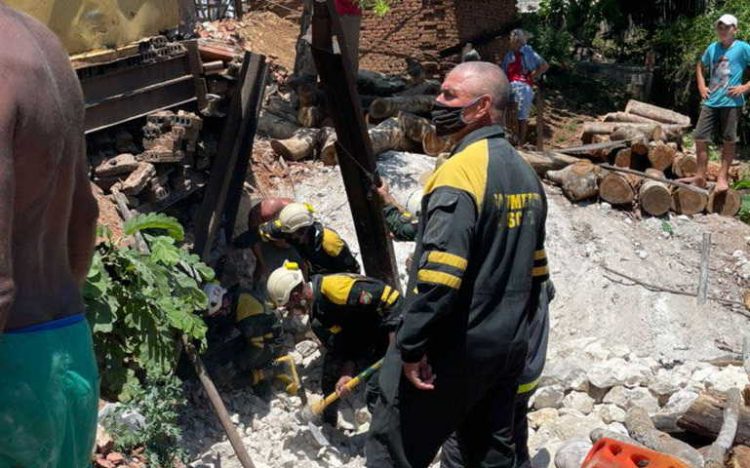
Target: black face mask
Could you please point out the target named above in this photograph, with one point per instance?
(449, 120)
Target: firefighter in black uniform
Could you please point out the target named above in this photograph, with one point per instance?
(322, 248)
(404, 228)
(478, 269)
(352, 315)
(244, 333)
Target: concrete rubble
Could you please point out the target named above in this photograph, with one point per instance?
(613, 345)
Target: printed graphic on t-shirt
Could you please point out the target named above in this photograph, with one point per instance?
(720, 74)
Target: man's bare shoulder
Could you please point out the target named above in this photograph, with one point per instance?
(30, 41)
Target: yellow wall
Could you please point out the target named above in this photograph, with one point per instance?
(84, 25)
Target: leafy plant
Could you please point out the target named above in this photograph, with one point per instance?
(139, 304)
(379, 7)
(158, 402)
(744, 213)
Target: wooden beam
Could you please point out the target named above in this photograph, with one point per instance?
(224, 188)
(339, 83)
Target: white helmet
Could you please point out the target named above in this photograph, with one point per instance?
(414, 203)
(215, 294)
(282, 282)
(296, 216)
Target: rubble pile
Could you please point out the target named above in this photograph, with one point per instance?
(174, 161)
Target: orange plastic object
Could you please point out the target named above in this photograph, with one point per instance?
(609, 453)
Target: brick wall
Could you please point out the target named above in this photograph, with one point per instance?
(422, 28)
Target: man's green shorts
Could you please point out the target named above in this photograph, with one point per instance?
(49, 391)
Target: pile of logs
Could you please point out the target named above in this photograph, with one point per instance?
(642, 149)
(396, 110)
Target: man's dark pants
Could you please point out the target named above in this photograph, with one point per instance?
(473, 399)
(450, 456)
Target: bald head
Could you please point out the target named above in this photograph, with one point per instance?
(479, 79)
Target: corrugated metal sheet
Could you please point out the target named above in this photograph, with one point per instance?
(84, 25)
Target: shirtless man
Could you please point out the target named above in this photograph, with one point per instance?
(48, 375)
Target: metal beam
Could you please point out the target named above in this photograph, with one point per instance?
(230, 167)
(337, 76)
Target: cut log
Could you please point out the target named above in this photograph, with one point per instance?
(657, 113)
(429, 87)
(684, 165)
(740, 457)
(543, 162)
(713, 169)
(309, 117)
(628, 118)
(618, 189)
(599, 154)
(326, 142)
(623, 158)
(386, 136)
(579, 181)
(717, 454)
(655, 197)
(414, 126)
(642, 429)
(435, 145)
(274, 126)
(661, 155)
(706, 415)
(653, 132)
(383, 108)
(726, 204)
(638, 138)
(300, 146)
(688, 202)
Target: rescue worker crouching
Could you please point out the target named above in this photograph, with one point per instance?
(241, 331)
(352, 315)
(322, 248)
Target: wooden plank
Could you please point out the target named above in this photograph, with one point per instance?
(585, 149)
(339, 83)
(231, 163)
(139, 103)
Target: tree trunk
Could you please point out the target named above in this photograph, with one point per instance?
(274, 126)
(624, 158)
(706, 415)
(717, 454)
(415, 128)
(638, 138)
(661, 155)
(628, 118)
(653, 132)
(655, 197)
(684, 165)
(618, 189)
(327, 140)
(429, 87)
(543, 162)
(300, 146)
(386, 136)
(657, 113)
(726, 204)
(578, 181)
(601, 154)
(383, 108)
(642, 429)
(713, 169)
(688, 202)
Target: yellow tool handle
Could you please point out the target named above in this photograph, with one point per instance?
(318, 407)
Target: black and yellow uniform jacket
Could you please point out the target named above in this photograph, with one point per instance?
(249, 334)
(353, 314)
(480, 259)
(402, 224)
(325, 250)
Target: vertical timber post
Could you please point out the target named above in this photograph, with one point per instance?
(337, 76)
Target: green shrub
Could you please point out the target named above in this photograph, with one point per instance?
(139, 304)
